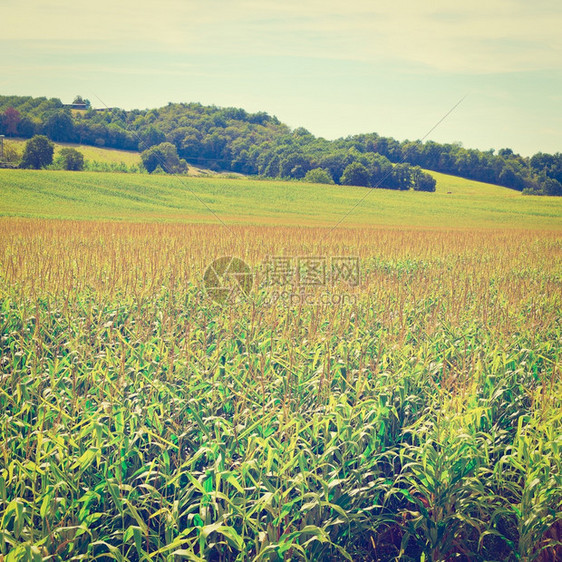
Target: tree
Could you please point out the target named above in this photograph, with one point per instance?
(10, 121)
(411, 151)
(71, 159)
(26, 128)
(355, 174)
(151, 137)
(271, 167)
(552, 187)
(318, 175)
(379, 168)
(509, 177)
(59, 127)
(549, 164)
(164, 155)
(401, 176)
(336, 162)
(38, 152)
(422, 180)
(294, 165)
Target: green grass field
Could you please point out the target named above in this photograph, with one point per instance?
(50, 194)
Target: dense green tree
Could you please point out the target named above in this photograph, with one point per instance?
(388, 147)
(379, 168)
(550, 187)
(151, 137)
(541, 161)
(318, 175)
(27, 128)
(166, 157)
(412, 151)
(70, 159)
(10, 120)
(294, 165)
(355, 174)
(59, 127)
(548, 164)
(423, 181)
(38, 152)
(271, 167)
(401, 177)
(510, 177)
(335, 162)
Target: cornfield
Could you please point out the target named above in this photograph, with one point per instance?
(419, 418)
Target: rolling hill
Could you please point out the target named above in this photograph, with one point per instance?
(232, 139)
(457, 202)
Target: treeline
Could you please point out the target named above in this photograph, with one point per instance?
(257, 143)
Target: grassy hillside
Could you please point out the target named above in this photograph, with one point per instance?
(107, 155)
(104, 155)
(456, 203)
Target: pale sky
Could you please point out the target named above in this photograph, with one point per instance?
(335, 67)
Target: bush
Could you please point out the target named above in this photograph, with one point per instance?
(117, 167)
(11, 154)
(70, 159)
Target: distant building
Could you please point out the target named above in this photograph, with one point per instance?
(81, 106)
(85, 107)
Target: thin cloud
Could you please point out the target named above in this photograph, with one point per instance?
(476, 37)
